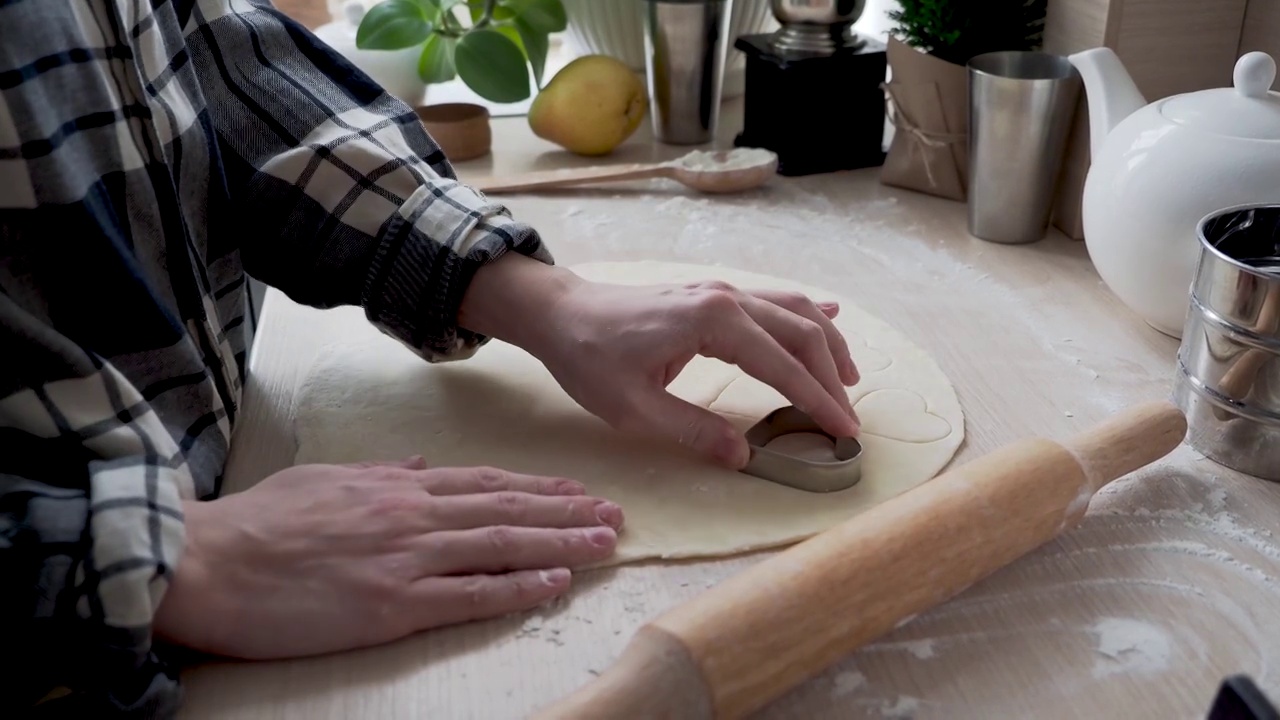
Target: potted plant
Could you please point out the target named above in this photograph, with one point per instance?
(491, 45)
(928, 49)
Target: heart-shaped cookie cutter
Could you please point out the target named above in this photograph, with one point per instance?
(841, 473)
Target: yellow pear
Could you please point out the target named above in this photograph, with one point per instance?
(591, 106)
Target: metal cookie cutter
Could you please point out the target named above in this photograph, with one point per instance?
(813, 476)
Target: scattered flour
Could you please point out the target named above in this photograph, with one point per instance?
(905, 708)
(1218, 499)
(1130, 646)
(1221, 523)
(848, 682)
(922, 649)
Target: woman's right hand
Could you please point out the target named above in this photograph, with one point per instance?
(322, 558)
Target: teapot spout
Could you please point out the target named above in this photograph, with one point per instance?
(1110, 90)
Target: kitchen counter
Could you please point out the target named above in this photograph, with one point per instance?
(1171, 583)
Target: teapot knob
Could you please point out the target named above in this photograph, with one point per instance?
(1255, 72)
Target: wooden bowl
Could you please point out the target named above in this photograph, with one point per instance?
(460, 129)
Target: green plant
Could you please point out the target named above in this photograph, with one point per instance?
(492, 54)
(957, 30)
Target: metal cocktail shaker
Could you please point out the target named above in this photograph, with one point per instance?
(685, 46)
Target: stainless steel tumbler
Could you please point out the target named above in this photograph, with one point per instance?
(685, 46)
(1020, 110)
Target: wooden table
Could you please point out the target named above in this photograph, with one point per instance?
(1172, 582)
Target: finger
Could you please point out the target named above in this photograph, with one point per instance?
(462, 512)
(661, 414)
(470, 480)
(806, 340)
(502, 548)
(449, 600)
(413, 462)
(821, 314)
(744, 343)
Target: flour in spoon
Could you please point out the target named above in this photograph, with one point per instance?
(735, 159)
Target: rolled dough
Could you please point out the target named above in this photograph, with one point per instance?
(367, 397)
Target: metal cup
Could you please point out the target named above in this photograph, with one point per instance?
(685, 46)
(1228, 380)
(1020, 110)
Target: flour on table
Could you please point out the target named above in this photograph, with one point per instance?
(848, 682)
(922, 649)
(1128, 646)
(903, 708)
(369, 397)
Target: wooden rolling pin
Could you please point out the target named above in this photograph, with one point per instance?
(753, 637)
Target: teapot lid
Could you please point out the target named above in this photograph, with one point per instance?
(1249, 110)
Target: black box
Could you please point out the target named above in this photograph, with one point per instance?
(819, 114)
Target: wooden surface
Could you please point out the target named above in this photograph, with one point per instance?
(1171, 582)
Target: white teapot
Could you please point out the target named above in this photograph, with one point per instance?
(1158, 169)
(395, 70)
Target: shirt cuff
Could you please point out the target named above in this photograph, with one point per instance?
(423, 267)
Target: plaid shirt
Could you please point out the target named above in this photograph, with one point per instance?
(151, 153)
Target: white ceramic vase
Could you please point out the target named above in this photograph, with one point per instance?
(616, 28)
(395, 70)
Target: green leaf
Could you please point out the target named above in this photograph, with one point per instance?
(393, 25)
(544, 16)
(435, 65)
(493, 66)
(513, 35)
(501, 13)
(536, 45)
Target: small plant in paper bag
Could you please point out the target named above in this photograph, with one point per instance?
(928, 91)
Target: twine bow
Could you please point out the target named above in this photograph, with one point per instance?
(921, 138)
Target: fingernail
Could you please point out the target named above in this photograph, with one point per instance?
(733, 451)
(602, 536)
(569, 487)
(416, 462)
(554, 577)
(609, 513)
(828, 305)
(850, 373)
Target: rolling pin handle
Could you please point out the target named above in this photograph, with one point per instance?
(1127, 441)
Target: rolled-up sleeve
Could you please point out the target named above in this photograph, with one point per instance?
(91, 527)
(338, 195)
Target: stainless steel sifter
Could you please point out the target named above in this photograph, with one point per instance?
(1228, 381)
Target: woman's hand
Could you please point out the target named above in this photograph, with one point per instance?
(322, 558)
(615, 348)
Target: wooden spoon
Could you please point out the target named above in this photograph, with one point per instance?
(710, 172)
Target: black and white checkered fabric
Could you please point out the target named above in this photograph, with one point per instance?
(151, 153)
